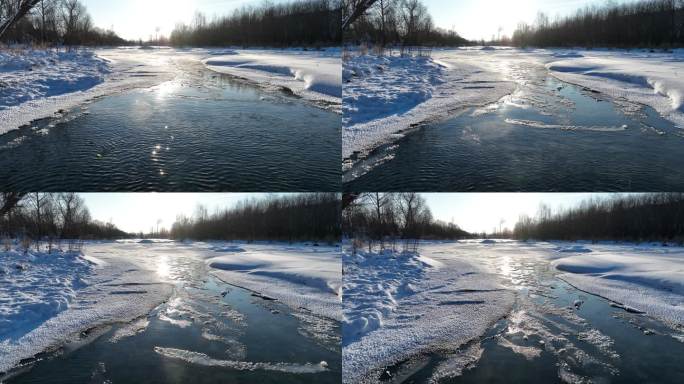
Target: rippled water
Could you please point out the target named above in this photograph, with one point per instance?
(195, 133)
(548, 136)
(546, 339)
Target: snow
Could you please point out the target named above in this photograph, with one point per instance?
(202, 359)
(42, 83)
(300, 276)
(36, 84)
(384, 96)
(399, 304)
(313, 75)
(650, 78)
(648, 279)
(47, 300)
(387, 97)
(27, 75)
(53, 297)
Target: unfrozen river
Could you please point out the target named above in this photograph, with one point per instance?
(196, 130)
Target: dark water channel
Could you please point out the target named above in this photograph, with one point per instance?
(556, 334)
(551, 136)
(216, 334)
(203, 132)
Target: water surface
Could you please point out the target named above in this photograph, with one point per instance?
(199, 132)
(548, 136)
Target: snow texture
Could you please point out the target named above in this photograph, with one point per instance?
(386, 97)
(648, 279)
(47, 299)
(399, 304)
(36, 84)
(313, 75)
(202, 359)
(300, 276)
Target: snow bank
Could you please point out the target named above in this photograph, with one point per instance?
(36, 286)
(32, 74)
(36, 84)
(313, 75)
(386, 96)
(48, 299)
(397, 305)
(299, 276)
(648, 279)
(653, 79)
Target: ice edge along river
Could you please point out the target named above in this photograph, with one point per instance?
(41, 83)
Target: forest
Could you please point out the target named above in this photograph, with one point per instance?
(48, 218)
(640, 217)
(386, 218)
(646, 23)
(298, 217)
(51, 22)
(395, 22)
(296, 23)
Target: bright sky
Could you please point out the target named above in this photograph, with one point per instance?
(482, 212)
(480, 19)
(136, 212)
(138, 19)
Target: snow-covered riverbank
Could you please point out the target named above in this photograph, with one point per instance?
(384, 97)
(36, 84)
(397, 306)
(312, 75)
(46, 300)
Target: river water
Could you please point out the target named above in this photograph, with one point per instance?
(555, 333)
(547, 136)
(208, 331)
(199, 132)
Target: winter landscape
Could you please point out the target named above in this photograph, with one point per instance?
(515, 301)
(167, 308)
(78, 102)
(496, 115)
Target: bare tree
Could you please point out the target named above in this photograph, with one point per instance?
(23, 7)
(354, 9)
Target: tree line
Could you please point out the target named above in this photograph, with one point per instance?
(642, 217)
(51, 22)
(395, 22)
(299, 217)
(296, 23)
(646, 23)
(48, 218)
(385, 219)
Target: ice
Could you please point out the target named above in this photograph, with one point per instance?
(298, 275)
(645, 278)
(650, 78)
(53, 297)
(397, 304)
(314, 75)
(386, 96)
(47, 83)
(204, 360)
(564, 127)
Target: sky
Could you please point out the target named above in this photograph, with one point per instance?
(139, 212)
(480, 19)
(139, 19)
(482, 212)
